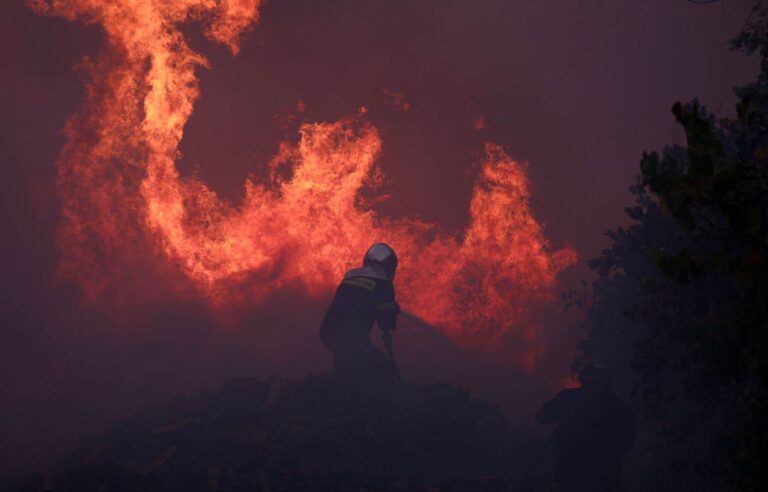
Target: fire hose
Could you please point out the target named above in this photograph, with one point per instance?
(415, 319)
(386, 336)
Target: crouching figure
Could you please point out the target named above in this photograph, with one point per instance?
(366, 296)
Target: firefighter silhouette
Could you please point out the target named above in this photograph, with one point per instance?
(366, 296)
(594, 434)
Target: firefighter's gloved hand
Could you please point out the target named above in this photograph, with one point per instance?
(389, 307)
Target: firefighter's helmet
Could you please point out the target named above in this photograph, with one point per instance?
(382, 256)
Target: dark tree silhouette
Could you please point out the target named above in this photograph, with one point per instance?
(680, 306)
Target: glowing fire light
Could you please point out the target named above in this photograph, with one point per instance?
(119, 186)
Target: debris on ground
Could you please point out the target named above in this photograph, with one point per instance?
(309, 434)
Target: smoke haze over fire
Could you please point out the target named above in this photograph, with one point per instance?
(120, 188)
(578, 89)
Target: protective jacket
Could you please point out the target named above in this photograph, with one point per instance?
(364, 297)
(595, 432)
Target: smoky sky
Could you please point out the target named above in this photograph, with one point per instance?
(576, 89)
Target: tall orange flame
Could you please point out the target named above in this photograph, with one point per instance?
(119, 187)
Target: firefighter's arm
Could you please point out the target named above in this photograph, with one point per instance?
(386, 306)
(386, 315)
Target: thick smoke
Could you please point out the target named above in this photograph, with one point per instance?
(533, 77)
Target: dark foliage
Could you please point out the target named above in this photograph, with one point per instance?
(680, 306)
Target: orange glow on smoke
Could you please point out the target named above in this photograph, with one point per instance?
(119, 187)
